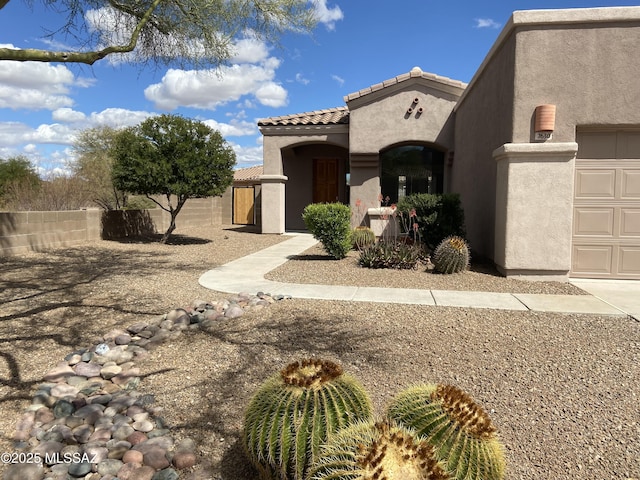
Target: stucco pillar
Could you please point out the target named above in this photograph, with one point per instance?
(365, 186)
(273, 203)
(534, 203)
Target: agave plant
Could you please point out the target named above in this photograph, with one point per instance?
(377, 451)
(294, 412)
(459, 429)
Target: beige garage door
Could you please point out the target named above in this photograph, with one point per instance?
(606, 209)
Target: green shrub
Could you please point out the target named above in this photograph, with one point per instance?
(385, 254)
(438, 215)
(294, 412)
(139, 202)
(330, 224)
(451, 255)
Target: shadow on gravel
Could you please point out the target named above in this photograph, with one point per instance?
(44, 302)
(155, 238)
(309, 257)
(290, 339)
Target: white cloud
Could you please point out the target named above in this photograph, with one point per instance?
(249, 50)
(272, 95)
(326, 15)
(207, 90)
(338, 79)
(247, 156)
(117, 118)
(35, 86)
(235, 128)
(68, 115)
(486, 23)
(300, 79)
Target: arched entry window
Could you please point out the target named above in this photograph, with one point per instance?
(411, 169)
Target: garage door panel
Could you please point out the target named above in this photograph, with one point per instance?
(592, 259)
(596, 183)
(597, 144)
(629, 260)
(628, 145)
(630, 222)
(593, 221)
(606, 205)
(630, 184)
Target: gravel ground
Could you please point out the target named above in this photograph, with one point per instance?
(562, 389)
(315, 266)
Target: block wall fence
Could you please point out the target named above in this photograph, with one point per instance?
(22, 232)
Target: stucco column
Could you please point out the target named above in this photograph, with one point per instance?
(534, 203)
(365, 186)
(273, 203)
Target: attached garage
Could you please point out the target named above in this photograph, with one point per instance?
(606, 209)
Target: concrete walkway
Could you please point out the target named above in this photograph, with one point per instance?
(246, 274)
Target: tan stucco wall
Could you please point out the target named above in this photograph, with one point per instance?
(590, 71)
(582, 61)
(279, 149)
(377, 123)
(21, 232)
(483, 122)
(534, 202)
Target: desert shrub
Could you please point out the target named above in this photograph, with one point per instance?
(438, 215)
(390, 254)
(139, 202)
(330, 224)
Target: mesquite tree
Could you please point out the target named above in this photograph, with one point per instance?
(172, 156)
(195, 33)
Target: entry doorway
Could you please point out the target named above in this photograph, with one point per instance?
(326, 175)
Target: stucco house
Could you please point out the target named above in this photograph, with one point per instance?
(543, 146)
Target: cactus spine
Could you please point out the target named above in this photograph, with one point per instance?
(362, 237)
(376, 451)
(460, 430)
(451, 255)
(294, 412)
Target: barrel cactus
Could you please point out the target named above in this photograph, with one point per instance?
(460, 430)
(376, 451)
(451, 255)
(362, 237)
(294, 412)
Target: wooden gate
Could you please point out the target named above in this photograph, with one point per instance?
(244, 205)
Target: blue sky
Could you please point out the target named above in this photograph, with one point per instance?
(357, 43)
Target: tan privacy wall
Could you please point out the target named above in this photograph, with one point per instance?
(21, 232)
(606, 206)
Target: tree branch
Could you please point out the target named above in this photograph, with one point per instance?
(89, 58)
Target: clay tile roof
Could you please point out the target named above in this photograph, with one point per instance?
(250, 173)
(330, 116)
(415, 72)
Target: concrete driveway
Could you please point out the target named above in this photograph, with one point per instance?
(622, 294)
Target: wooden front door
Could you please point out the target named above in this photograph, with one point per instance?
(243, 205)
(325, 180)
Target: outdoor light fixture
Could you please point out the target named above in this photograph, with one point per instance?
(545, 121)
